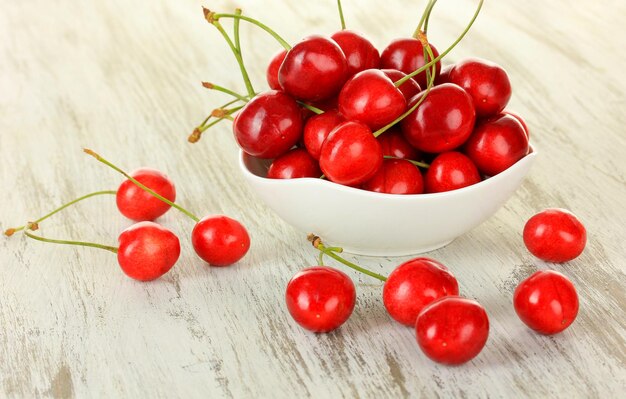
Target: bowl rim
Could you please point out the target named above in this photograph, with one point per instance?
(396, 197)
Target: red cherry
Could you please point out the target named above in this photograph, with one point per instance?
(320, 299)
(450, 171)
(360, 53)
(395, 145)
(272, 70)
(370, 97)
(147, 251)
(407, 55)
(496, 144)
(269, 125)
(396, 176)
(444, 75)
(547, 302)
(136, 204)
(442, 122)
(409, 88)
(413, 285)
(317, 128)
(350, 154)
(555, 235)
(452, 330)
(487, 84)
(294, 164)
(314, 69)
(520, 120)
(220, 240)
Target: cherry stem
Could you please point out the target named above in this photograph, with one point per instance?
(331, 251)
(343, 21)
(141, 186)
(68, 242)
(212, 86)
(213, 17)
(416, 163)
(225, 114)
(435, 60)
(244, 71)
(424, 17)
(9, 232)
(430, 10)
(311, 108)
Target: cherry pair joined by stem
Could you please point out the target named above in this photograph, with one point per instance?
(555, 235)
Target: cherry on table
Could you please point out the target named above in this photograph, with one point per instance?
(442, 122)
(147, 251)
(396, 176)
(272, 69)
(452, 330)
(268, 125)
(360, 53)
(555, 235)
(350, 154)
(496, 144)
(407, 55)
(320, 299)
(409, 88)
(220, 240)
(314, 69)
(371, 97)
(295, 163)
(413, 285)
(546, 302)
(450, 171)
(138, 205)
(486, 82)
(317, 128)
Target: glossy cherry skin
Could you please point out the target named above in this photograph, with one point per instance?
(409, 88)
(320, 299)
(139, 205)
(452, 330)
(220, 240)
(269, 125)
(396, 176)
(496, 144)
(413, 285)
(395, 145)
(272, 70)
(317, 128)
(314, 69)
(487, 84)
(407, 55)
(147, 251)
(520, 120)
(442, 122)
(450, 171)
(444, 75)
(294, 164)
(360, 53)
(350, 154)
(547, 302)
(555, 235)
(371, 97)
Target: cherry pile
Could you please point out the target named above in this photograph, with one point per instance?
(148, 250)
(393, 122)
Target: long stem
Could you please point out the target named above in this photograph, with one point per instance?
(213, 86)
(138, 184)
(330, 251)
(422, 19)
(261, 25)
(311, 108)
(430, 10)
(416, 163)
(435, 60)
(68, 242)
(244, 71)
(13, 230)
(343, 21)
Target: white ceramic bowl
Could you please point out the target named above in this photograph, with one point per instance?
(368, 223)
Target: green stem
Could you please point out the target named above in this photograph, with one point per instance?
(422, 19)
(197, 132)
(416, 163)
(430, 10)
(435, 60)
(244, 71)
(13, 230)
(311, 108)
(67, 242)
(266, 28)
(143, 187)
(343, 21)
(223, 89)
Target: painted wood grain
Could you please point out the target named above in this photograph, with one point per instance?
(123, 78)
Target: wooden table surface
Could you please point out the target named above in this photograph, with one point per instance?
(123, 78)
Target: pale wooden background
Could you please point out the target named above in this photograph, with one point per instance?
(123, 78)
